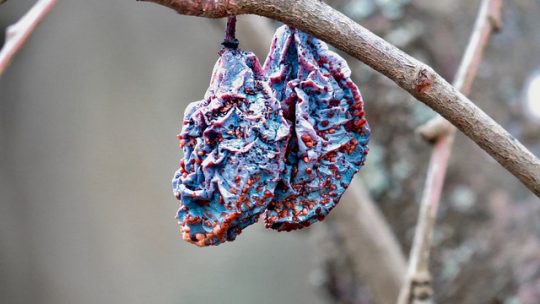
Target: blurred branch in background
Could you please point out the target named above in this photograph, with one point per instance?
(360, 249)
(18, 33)
(418, 287)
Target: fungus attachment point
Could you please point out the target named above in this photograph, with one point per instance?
(230, 40)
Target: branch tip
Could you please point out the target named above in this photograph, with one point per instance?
(18, 33)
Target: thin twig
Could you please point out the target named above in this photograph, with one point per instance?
(417, 286)
(18, 33)
(324, 22)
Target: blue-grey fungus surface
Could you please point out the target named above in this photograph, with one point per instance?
(234, 142)
(329, 131)
(285, 139)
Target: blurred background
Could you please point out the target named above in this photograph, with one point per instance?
(89, 112)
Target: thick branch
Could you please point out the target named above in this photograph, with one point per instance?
(319, 19)
(17, 33)
(207, 8)
(417, 285)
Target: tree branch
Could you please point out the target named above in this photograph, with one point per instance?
(417, 285)
(370, 243)
(322, 21)
(18, 33)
